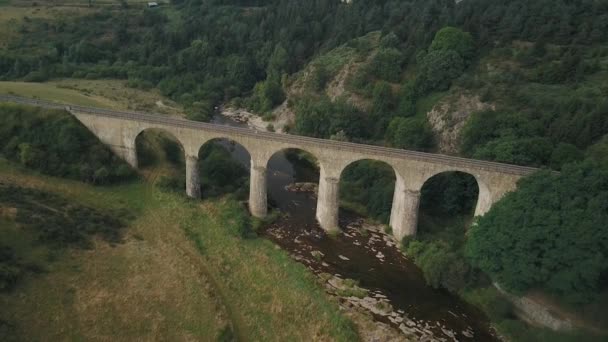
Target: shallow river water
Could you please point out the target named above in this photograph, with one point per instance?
(397, 293)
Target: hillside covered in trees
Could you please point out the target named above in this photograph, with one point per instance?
(203, 53)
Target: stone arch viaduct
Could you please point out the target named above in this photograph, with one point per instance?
(119, 130)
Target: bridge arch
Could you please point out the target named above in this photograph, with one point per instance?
(293, 169)
(159, 155)
(448, 195)
(484, 194)
(222, 166)
(372, 182)
(161, 148)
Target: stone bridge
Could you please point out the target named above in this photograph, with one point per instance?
(119, 131)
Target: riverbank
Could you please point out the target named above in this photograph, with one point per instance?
(366, 272)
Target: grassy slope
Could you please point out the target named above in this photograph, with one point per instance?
(15, 12)
(156, 285)
(145, 288)
(46, 91)
(112, 94)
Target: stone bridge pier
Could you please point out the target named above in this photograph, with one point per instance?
(258, 201)
(404, 211)
(193, 183)
(328, 201)
(119, 131)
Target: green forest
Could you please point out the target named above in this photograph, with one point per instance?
(540, 66)
(58, 145)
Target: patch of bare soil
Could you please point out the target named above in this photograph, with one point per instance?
(283, 117)
(561, 314)
(9, 213)
(337, 86)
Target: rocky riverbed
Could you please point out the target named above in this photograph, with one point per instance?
(338, 261)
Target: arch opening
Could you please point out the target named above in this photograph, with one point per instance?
(223, 168)
(161, 158)
(292, 179)
(447, 203)
(367, 188)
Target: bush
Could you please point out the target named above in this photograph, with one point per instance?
(322, 118)
(438, 69)
(410, 133)
(266, 95)
(369, 184)
(521, 151)
(441, 266)
(386, 65)
(454, 39)
(220, 173)
(383, 101)
(239, 221)
(319, 77)
(36, 76)
(564, 154)
(200, 111)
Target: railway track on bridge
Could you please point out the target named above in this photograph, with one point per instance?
(285, 138)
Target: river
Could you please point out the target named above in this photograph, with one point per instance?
(397, 294)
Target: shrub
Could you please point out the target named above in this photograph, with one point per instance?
(454, 39)
(410, 133)
(438, 69)
(220, 173)
(369, 184)
(386, 65)
(442, 267)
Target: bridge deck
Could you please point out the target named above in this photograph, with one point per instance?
(286, 138)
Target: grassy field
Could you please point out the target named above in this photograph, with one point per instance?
(180, 274)
(75, 3)
(112, 94)
(14, 13)
(149, 287)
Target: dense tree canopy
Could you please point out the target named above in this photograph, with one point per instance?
(454, 39)
(55, 143)
(212, 50)
(550, 234)
(410, 133)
